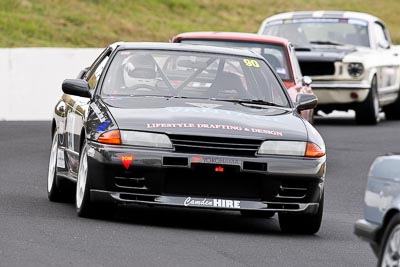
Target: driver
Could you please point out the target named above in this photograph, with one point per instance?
(140, 69)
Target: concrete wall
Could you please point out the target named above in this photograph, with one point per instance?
(30, 79)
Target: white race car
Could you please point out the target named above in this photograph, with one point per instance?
(350, 58)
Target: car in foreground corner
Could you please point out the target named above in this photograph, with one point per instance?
(279, 52)
(381, 223)
(349, 56)
(172, 125)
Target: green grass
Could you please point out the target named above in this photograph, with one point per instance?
(96, 23)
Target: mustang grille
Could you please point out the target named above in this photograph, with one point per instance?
(312, 68)
(215, 145)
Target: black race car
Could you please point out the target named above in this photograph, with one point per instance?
(187, 126)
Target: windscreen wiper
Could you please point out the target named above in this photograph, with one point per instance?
(250, 101)
(134, 95)
(325, 43)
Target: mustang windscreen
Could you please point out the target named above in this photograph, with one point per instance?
(308, 31)
(191, 75)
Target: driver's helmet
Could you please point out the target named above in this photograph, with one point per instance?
(139, 69)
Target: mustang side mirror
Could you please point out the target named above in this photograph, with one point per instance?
(383, 44)
(306, 80)
(76, 87)
(306, 101)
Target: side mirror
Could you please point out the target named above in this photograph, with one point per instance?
(76, 87)
(383, 44)
(306, 101)
(82, 73)
(306, 80)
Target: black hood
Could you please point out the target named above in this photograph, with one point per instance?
(324, 53)
(206, 118)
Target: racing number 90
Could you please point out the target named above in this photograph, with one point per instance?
(251, 63)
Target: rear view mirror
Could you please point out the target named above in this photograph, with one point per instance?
(77, 87)
(306, 101)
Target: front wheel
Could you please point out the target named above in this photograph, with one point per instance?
(390, 249)
(84, 206)
(54, 192)
(302, 223)
(368, 111)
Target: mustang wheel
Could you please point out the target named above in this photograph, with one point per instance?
(368, 112)
(302, 223)
(54, 193)
(390, 249)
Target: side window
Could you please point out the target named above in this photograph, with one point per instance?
(382, 39)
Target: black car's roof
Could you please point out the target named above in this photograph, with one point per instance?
(186, 47)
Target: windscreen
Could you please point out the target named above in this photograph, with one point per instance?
(135, 73)
(305, 32)
(275, 54)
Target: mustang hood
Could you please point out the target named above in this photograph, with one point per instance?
(325, 53)
(206, 118)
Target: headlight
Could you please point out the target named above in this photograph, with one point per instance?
(355, 69)
(135, 138)
(291, 148)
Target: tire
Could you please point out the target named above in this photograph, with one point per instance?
(389, 254)
(257, 213)
(54, 191)
(302, 223)
(392, 111)
(84, 206)
(368, 111)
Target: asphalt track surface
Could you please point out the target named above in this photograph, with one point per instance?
(36, 232)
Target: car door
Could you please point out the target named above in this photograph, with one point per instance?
(76, 111)
(388, 73)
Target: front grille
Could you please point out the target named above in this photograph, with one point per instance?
(315, 68)
(215, 145)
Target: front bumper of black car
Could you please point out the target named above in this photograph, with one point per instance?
(164, 177)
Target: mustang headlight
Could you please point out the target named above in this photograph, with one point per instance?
(291, 148)
(135, 138)
(355, 69)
